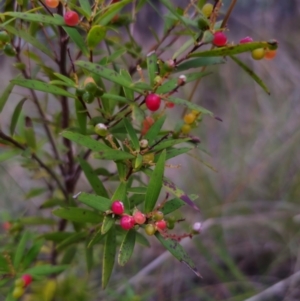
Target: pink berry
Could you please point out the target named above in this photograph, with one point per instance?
(127, 222)
(117, 207)
(27, 279)
(71, 18)
(161, 225)
(139, 217)
(153, 102)
(246, 40)
(220, 39)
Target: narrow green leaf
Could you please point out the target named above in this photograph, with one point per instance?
(29, 135)
(108, 222)
(155, 183)
(121, 194)
(152, 67)
(32, 254)
(95, 201)
(66, 79)
(142, 240)
(115, 97)
(93, 178)
(76, 37)
(109, 254)
(5, 95)
(56, 236)
(129, 93)
(113, 155)
(69, 255)
(86, 6)
(4, 267)
(154, 130)
(121, 170)
(174, 152)
(137, 190)
(178, 252)
(50, 203)
(199, 62)
(251, 73)
(97, 237)
(78, 215)
(183, 48)
(132, 134)
(15, 116)
(81, 115)
(72, 239)
(41, 86)
(172, 205)
(36, 220)
(45, 270)
(127, 247)
(20, 249)
(169, 143)
(235, 49)
(89, 258)
(9, 154)
(34, 192)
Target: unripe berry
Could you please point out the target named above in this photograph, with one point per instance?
(52, 3)
(71, 18)
(127, 222)
(246, 40)
(270, 54)
(158, 216)
(153, 102)
(189, 118)
(101, 129)
(18, 292)
(148, 158)
(170, 224)
(117, 207)
(88, 97)
(220, 39)
(185, 129)
(19, 282)
(4, 37)
(181, 80)
(161, 225)
(143, 143)
(150, 229)
(90, 85)
(258, 54)
(197, 228)
(158, 80)
(207, 9)
(9, 50)
(139, 217)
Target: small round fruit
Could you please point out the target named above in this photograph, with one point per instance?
(117, 207)
(9, 50)
(161, 225)
(4, 37)
(71, 18)
(127, 222)
(6, 226)
(270, 54)
(52, 3)
(79, 92)
(207, 9)
(101, 129)
(189, 118)
(220, 39)
(196, 113)
(148, 158)
(158, 216)
(143, 143)
(170, 224)
(88, 97)
(150, 229)
(185, 129)
(90, 85)
(246, 40)
(19, 282)
(158, 80)
(258, 54)
(147, 123)
(170, 104)
(153, 102)
(18, 292)
(139, 217)
(27, 279)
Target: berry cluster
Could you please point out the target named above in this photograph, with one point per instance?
(5, 44)
(89, 91)
(20, 285)
(190, 121)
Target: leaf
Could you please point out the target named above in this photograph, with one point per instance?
(9, 154)
(169, 143)
(154, 129)
(178, 252)
(108, 222)
(16, 114)
(109, 254)
(76, 37)
(174, 152)
(4, 264)
(183, 48)
(72, 239)
(113, 155)
(66, 79)
(94, 201)
(121, 194)
(52, 203)
(141, 239)
(41, 86)
(199, 62)
(129, 93)
(32, 254)
(34, 192)
(152, 67)
(81, 115)
(69, 255)
(86, 6)
(172, 205)
(36, 221)
(78, 215)
(20, 250)
(5, 95)
(93, 178)
(89, 258)
(127, 247)
(155, 183)
(115, 97)
(251, 73)
(95, 36)
(30, 39)
(56, 236)
(132, 134)
(98, 236)
(235, 49)
(45, 270)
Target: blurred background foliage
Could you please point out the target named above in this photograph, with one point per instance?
(248, 186)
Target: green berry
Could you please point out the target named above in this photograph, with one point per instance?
(185, 129)
(88, 97)
(4, 37)
(101, 129)
(9, 50)
(18, 292)
(148, 158)
(207, 9)
(150, 229)
(158, 216)
(19, 282)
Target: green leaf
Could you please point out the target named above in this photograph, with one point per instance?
(109, 254)
(36, 220)
(89, 258)
(129, 93)
(251, 73)
(81, 115)
(97, 237)
(169, 143)
(69, 255)
(132, 134)
(9, 154)
(95, 36)
(141, 239)
(199, 62)
(115, 97)
(152, 67)
(154, 130)
(174, 152)
(95, 201)
(76, 37)
(78, 215)
(121, 194)
(108, 222)
(50, 203)
(113, 155)
(93, 178)
(15, 116)
(178, 252)
(30, 39)
(235, 49)
(4, 264)
(86, 6)
(172, 205)
(35, 192)
(56, 236)
(45, 270)
(5, 95)
(20, 250)
(32, 254)
(72, 239)
(189, 43)
(127, 247)
(66, 79)
(155, 183)
(41, 86)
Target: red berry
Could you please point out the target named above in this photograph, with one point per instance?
(220, 39)
(127, 222)
(117, 207)
(246, 40)
(27, 279)
(153, 102)
(139, 217)
(147, 123)
(52, 3)
(170, 105)
(161, 225)
(6, 226)
(71, 18)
